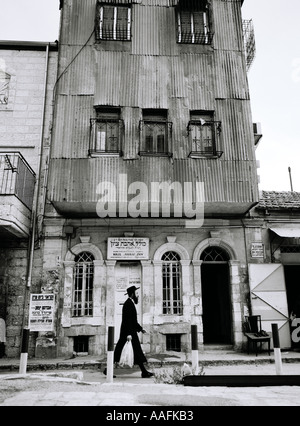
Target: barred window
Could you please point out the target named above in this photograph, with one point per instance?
(155, 133)
(204, 134)
(106, 132)
(83, 285)
(114, 23)
(172, 293)
(193, 27)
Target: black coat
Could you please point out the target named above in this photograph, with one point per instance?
(131, 327)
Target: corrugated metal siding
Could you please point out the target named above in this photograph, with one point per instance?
(132, 80)
(78, 19)
(154, 31)
(237, 132)
(231, 81)
(227, 25)
(228, 181)
(152, 71)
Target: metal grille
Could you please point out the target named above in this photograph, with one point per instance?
(203, 137)
(173, 342)
(155, 137)
(214, 254)
(16, 177)
(106, 136)
(193, 27)
(290, 249)
(114, 23)
(171, 274)
(249, 42)
(81, 344)
(83, 285)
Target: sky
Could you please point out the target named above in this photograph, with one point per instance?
(274, 77)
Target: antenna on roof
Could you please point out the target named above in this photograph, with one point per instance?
(290, 173)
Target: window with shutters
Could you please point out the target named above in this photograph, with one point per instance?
(193, 27)
(114, 22)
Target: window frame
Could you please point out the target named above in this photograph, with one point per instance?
(155, 121)
(201, 123)
(195, 35)
(107, 118)
(115, 35)
(83, 298)
(172, 305)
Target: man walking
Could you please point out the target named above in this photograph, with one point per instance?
(131, 327)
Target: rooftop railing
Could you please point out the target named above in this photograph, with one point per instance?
(16, 177)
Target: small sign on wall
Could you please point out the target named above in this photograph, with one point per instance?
(128, 248)
(41, 312)
(257, 250)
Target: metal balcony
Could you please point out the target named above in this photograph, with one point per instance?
(17, 183)
(204, 138)
(16, 177)
(249, 42)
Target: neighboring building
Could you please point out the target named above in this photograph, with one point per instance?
(274, 271)
(149, 91)
(27, 77)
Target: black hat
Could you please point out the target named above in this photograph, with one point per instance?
(131, 289)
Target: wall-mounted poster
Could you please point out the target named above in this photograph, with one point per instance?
(41, 312)
(257, 250)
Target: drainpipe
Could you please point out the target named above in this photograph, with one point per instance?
(35, 204)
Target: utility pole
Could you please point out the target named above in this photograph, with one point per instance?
(290, 173)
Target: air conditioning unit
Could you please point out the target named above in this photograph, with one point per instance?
(257, 133)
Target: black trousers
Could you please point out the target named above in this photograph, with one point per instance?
(2, 350)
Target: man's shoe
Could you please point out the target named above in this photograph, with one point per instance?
(147, 374)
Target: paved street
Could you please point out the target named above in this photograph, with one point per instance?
(90, 388)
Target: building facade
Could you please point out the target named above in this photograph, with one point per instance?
(274, 266)
(152, 117)
(27, 77)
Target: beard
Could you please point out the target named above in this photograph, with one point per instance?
(135, 299)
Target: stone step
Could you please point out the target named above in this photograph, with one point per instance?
(218, 347)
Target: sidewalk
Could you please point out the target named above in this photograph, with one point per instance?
(81, 382)
(209, 358)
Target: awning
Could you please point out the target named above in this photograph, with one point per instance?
(287, 232)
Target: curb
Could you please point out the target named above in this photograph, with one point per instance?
(98, 365)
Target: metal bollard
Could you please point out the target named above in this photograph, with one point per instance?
(110, 355)
(277, 352)
(24, 351)
(195, 353)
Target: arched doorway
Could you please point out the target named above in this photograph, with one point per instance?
(216, 301)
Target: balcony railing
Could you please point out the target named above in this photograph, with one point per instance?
(16, 177)
(204, 138)
(106, 137)
(249, 42)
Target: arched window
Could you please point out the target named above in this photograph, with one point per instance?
(172, 293)
(83, 285)
(214, 254)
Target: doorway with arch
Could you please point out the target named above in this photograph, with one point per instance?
(216, 299)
